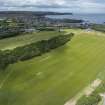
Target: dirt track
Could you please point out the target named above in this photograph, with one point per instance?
(87, 91)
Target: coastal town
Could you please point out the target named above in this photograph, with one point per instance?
(23, 22)
(45, 60)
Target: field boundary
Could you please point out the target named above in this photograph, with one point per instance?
(87, 91)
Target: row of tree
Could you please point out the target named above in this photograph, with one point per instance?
(35, 49)
(10, 28)
(10, 32)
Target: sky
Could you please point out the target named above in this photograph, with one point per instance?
(75, 6)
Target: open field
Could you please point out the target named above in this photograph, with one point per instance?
(55, 77)
(13, 42)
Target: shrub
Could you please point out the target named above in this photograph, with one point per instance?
(35, 49)
(93, 99)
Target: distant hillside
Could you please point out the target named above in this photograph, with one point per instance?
(29, 13)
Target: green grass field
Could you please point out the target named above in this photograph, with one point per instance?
(13, 42)
(55, 77)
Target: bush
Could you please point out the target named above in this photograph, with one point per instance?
(35, 49)
(10, 32)
(93, 99)
(46, 29)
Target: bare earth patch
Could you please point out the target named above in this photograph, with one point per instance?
(92, 87)
(87, 91)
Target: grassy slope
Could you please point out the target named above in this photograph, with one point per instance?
(98, 27)
(13, 42)
(55, 77)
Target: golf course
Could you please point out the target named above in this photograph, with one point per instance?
(56, 76)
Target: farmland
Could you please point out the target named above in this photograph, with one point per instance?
(55, 77)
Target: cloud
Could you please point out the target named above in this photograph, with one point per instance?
(54, 5)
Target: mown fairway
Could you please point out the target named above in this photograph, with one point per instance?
(55, 77)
